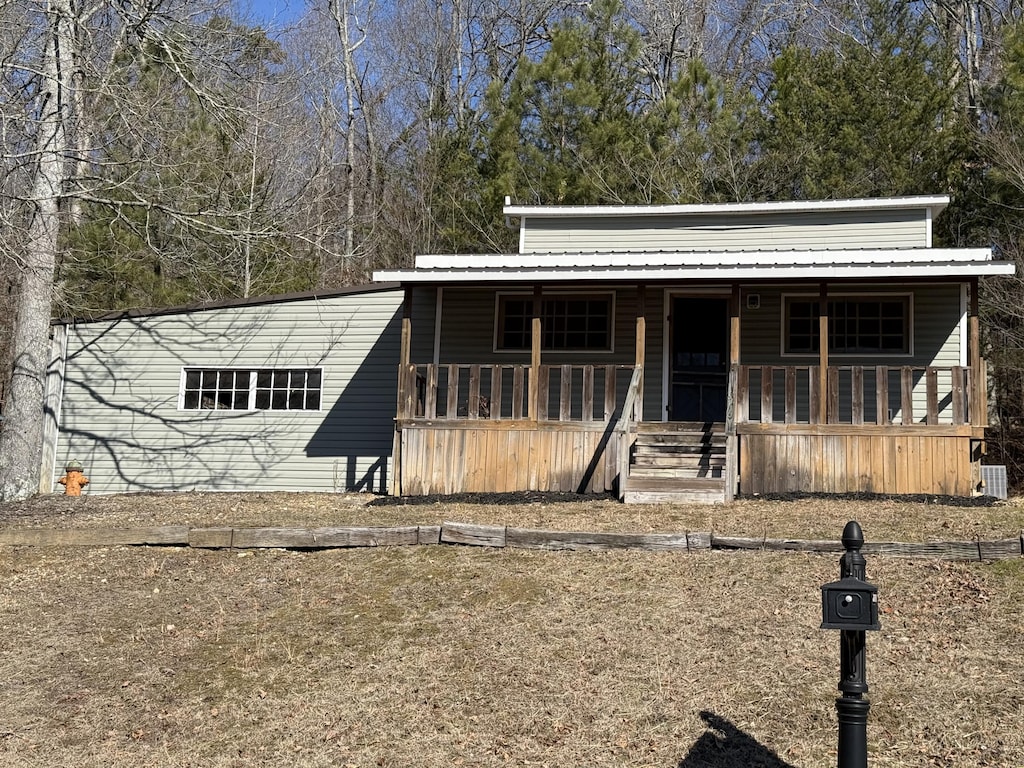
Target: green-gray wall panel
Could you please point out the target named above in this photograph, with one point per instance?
(777, 231)
(936, 325)
(120, 414)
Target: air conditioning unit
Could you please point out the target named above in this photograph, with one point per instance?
(993, 478)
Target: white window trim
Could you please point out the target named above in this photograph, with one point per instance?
(612, 295)
(908, 295)
(252, 388)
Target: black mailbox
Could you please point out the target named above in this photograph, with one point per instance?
(850, 604)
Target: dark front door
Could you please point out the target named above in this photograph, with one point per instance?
(699, 365)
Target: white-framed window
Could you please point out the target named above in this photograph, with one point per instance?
(858, 325)
(251, 389)
(570, 322)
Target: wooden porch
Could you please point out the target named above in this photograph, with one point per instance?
(825, 428)
(473, 428)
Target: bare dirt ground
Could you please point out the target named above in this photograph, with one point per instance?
(443, 656)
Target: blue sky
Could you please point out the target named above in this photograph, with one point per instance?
(272, 11)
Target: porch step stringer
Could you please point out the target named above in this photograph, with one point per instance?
(682, 462)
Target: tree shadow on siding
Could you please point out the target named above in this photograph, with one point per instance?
(111, 420)
(723, 745)
(120, 416)
(357, 429)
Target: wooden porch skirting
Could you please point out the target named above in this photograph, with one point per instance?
(445, 457)
(839, 458)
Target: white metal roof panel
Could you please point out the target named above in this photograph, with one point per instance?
(812, 265)
(934, 202)
(711, 259)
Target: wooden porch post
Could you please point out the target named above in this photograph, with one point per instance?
(535, 338)
(732, 391)
(734, 326)
(404, 396)
(641, 344)
(978, 416)
(405, 354)
(823, 353)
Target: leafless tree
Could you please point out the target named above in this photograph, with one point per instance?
(67, 96)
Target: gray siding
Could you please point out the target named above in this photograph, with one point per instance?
(936, 331)
(120, 414)
(779, 231)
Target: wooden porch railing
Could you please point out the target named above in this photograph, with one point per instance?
(856, 394)
(459, 391)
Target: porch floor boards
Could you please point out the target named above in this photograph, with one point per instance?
(677, 462)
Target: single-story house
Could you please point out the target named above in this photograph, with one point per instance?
(294, 392)
(679, 352)
(692, 352)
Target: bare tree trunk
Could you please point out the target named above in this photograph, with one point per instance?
(21, 438)
(343, 14)
(247, 269)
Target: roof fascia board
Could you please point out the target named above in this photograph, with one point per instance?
(933, 203)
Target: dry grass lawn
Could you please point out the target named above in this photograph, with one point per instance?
(445, 656)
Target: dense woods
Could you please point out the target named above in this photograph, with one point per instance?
(160, 152)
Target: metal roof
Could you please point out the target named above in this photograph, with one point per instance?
(934, 202)
(866, 263)
(228, 304)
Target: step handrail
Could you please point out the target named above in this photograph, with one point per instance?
(624, 427)
(731, 441)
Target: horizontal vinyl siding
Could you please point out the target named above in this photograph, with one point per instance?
(936, 335)
(120, 413)
(467, 330)
(856, 229)
(936, 327)
(424, 304)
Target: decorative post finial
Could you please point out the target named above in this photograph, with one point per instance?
(853, 536)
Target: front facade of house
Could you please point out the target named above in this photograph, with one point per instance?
(675, 352)
(289, 393)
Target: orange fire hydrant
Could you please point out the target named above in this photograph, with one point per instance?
(73, 479)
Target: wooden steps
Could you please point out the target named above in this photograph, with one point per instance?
(677, 462)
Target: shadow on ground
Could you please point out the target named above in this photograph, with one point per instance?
(723, 745)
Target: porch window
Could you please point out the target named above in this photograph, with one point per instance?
(569, 322)
(259, 389)
(857, 326)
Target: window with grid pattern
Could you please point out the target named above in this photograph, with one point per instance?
(569, 322)
(262, 389)
(857, 326)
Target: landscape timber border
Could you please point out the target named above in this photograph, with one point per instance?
(467, 534)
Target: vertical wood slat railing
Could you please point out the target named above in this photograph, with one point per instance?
(918, 394)
(476, 391)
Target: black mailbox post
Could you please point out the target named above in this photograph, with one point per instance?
(851, 606)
